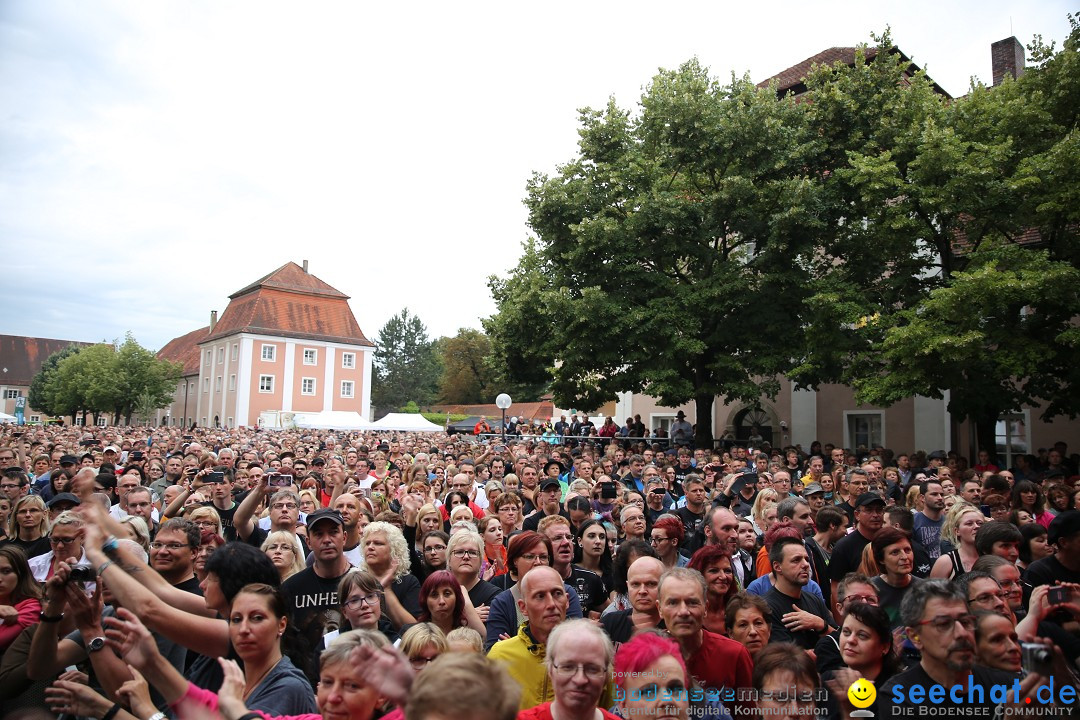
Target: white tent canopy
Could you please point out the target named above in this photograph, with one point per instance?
(331, 420)
(406, 422)
(4, 417)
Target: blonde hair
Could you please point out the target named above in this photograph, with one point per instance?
(466, 636)
(399, 549)
(952, 519)
(312, 495)
(208, 512)
(757, 510)
(297, 550)
(419, 636)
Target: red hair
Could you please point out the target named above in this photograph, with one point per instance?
(642, 651)
(437, 581)
(710, 555)
(674, 528)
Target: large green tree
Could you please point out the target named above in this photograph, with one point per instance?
(40, 396)
(938, 213)
(407, 366)
(467, 376)
(670, 254)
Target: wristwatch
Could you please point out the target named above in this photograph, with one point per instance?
(96, 644)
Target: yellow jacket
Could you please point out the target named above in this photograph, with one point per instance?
(523, 658)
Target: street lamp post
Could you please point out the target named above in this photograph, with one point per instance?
(503, 402)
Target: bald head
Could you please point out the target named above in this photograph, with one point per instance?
(539, 575)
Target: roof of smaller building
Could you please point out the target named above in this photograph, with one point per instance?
(290, 277)
(523, 411)
(21, 357)
(185, 350)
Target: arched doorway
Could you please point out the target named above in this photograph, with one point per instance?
(752, 423)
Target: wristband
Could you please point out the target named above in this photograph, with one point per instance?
(157, 716)
(42, 617)
(112, 712)
(103, 567)
(110, 546)
(250, 716)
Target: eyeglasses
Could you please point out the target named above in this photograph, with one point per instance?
(657, 540)
(570, 670)
(989, 597)
(533, 557)
(946, 623)
(284, 506)
(62, 541)
(465, 554)
(435, 548)
(419, 663)
(868, 599)
(10, 486)
(173, 546)
(354, 602)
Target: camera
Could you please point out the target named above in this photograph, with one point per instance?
(1057, 595)
(216, 477)
(1036, 658)
(279, 480)
(82, 574)
(608, 491)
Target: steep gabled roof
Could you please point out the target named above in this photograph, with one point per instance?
(792, 80)
(291, 303)
(21, 357)
(185, 350)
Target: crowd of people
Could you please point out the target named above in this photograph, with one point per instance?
(245, 573)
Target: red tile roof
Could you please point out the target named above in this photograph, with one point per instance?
(21, 357)
(185, 350)
(792, 79)
(290, 303)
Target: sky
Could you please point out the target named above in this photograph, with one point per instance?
(156, 157)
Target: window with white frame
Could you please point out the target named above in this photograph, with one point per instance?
(307, 386)
(206, 385)
(204, 422)
(1011, 437)
(661, 421)
(348, 361)
(11, 394)
(35, 418)
(269, 353)
(348, 389)
(221, 355)
(102, 421)
(217, 384)
(235, 351)
(232, 383)
(266, 383)
(80, 421)
(191, 386)
(865, 429)
(229, 423)
(311, 356)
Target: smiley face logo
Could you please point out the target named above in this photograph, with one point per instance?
(862, 693)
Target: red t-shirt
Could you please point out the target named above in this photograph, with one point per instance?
(543, 712)
(720, 663)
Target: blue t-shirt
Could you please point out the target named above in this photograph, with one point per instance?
(928, 533)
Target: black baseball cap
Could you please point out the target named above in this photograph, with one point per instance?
(324, 514)
(869, 498)
(550, 482)
(69, 460)
(64, 498)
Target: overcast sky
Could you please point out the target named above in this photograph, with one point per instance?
(156, 157)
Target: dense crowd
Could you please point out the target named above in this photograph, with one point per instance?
(159, 572)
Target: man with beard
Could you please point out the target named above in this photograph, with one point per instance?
(939, 624)
(797, 617)
(929, 520)
(847, 553)
(547, 501)
(174, 473)
(589, 586)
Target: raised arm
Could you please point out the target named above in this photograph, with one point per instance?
(201, 634)
(244, 517)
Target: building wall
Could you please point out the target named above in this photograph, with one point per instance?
(261, 401)
(311, 370)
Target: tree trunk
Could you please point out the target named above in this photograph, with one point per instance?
(703, 435)
(985, 435)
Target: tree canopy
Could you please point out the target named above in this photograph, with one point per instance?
(407, 366)
(117, 378)
(879, 235)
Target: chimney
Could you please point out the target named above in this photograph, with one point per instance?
(305, 267)
(213, 319)
(1007, 58)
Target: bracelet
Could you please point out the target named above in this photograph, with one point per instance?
(103, 567)
(42, 617)
(112, 712)
(157, 716)
(248, 716)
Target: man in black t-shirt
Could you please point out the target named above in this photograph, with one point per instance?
(797, 617)
(693, 514)
(1064, 566)
(589, 586)
(311, 594)
(942, 627)
(847, 553)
